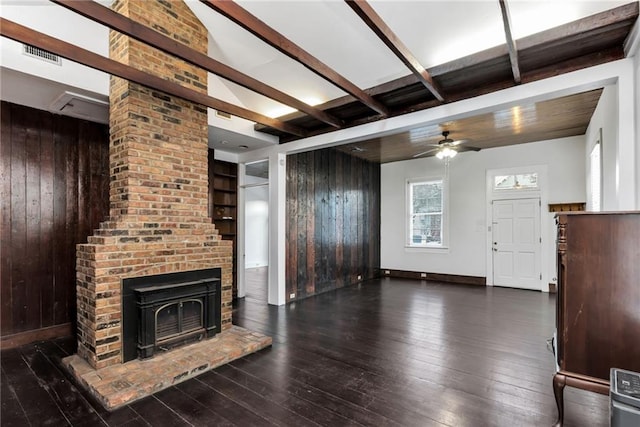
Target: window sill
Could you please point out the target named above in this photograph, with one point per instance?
(427, 249)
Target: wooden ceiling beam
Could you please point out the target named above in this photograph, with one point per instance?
(258, 28)
(469, 60)
(408, 80)
(74, 53)
(105, 16)
(603, 56)
(622, 15)
(389, 38)
(628, 12)
(347, 99)
(511, 43)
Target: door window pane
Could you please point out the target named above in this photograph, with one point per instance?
(525, 181)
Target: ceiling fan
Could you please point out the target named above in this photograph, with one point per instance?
(447, 148)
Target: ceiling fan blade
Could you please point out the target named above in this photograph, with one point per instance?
(458, 142)
(467, 148)
(424, 152)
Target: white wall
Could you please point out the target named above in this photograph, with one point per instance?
(637, 120)
(69, 27)
(605, 117)
(468, 231)
(256, 230)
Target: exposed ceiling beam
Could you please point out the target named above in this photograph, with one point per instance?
(388, 37)
(617, 16)
(347, 99)
(105, 16)
(74, 53)
(590, 24)
(470, 60)
(511, 43)
(270, 36)
(566, 66)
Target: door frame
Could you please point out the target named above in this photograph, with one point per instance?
(546, 220)
(240, 233)
(277, 225)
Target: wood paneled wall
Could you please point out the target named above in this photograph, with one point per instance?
(333, 221)
(54, 186)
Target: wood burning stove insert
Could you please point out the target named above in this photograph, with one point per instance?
(163, 311)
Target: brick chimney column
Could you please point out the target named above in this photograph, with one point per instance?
(158, 192)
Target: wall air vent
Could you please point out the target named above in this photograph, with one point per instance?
(223, 115)
(81, 106)
(44, 55)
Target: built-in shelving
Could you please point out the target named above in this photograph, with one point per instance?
(227, 175)
(223, 204)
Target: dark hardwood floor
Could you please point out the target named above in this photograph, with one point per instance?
(385, 352)
(255, 283)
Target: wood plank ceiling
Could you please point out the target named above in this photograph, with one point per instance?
(555, 118)
(583, 43)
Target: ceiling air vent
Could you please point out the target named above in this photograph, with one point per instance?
(44, 55)
(81, 106)
(223, 115)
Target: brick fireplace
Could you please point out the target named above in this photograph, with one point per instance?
(158, 221)
(158, 250)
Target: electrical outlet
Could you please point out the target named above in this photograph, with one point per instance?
(387, 272)
(359, 277)
(423, 275)
(292, 296)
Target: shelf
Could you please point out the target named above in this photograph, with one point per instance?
(223, 193)
(226, 175)
(567, 207)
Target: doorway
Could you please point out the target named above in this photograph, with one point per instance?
(516, 243)
(256, 231)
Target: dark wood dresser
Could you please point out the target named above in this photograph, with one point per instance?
(598, 305)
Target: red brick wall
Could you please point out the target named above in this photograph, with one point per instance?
(158, 194)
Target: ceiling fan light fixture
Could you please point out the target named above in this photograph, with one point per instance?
(446, 153)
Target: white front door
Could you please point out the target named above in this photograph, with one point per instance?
(516, 243)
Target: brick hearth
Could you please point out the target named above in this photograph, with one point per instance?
(118, 385)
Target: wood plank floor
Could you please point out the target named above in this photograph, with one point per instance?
(387, 352)
(255, 282)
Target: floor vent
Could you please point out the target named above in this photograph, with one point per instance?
(45, 55)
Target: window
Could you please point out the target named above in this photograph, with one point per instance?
(426, 213)
(525, 181)
(595, 178)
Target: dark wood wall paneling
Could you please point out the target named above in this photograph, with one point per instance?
(55, 186)
(55, 191)
(333, 221)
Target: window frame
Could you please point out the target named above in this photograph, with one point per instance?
(595, 204)
(444, 221)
